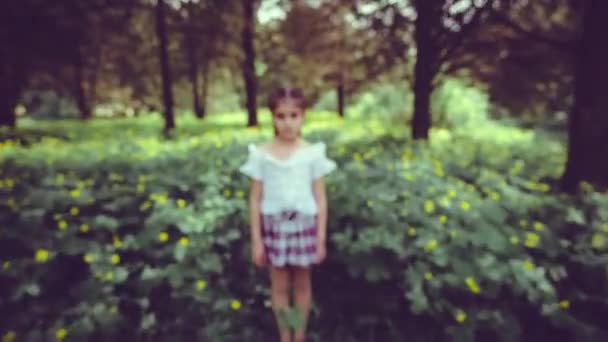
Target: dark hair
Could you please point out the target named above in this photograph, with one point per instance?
(286, 93)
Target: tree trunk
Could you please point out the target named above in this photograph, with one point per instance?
(588, 122)
(161, 31)
(249, 77)
(428, 18)
(193, 62)
(205, 85)
(81, 87)
(340, 96)
(12, 81)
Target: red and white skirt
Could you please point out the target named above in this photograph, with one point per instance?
(290, 238)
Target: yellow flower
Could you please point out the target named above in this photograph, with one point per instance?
(42, 255)
(472, 285)
(465, 205)
(116, 243)
(370, 203)
(523, 223)
(62, 225)
(451, 193)
(357, 156)
(438, 169)
(429, 206)
(539, 226)
(495, 196)
(6, 265)
(61, 334)
(460, 316)
(598, 241)
(532, 240)
(514, 240)
(109, 275)
(75, 193)
(564, 304)
(443, 219)
(183, 241)
(9, 337)
(115, 259)
(411, 231)
(74, 211)
(240, 194)
(145, 205)
(84, 227)
(89, 258)
(431, 245)
(428, 276)
(163, 237)
(528, 265)
(235, 305)
(57, 217)
(201, 284)
(181, 203)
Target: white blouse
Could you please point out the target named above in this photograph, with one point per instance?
(287, 184)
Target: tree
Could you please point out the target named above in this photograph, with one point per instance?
(167, 84)
(29, 46)
(441, 31)
(248, 66)
(588, 124)
(525, 56)
(208, 38)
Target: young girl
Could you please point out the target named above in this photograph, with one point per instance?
(288, 206)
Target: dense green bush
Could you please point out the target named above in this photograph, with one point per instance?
(459, 239)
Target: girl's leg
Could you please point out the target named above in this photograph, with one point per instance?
(279, 283)
(303, 299)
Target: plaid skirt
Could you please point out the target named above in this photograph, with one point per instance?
(290, 238)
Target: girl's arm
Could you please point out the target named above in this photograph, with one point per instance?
(255, 194)
(321, 200)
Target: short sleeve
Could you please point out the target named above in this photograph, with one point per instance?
(321, 164)
(252, 166)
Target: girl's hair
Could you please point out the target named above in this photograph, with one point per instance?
(286, 93)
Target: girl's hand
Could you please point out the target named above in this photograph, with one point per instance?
(257, 253)
(321, 251)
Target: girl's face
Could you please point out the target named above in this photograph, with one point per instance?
(287, 119)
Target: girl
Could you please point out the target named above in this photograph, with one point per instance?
(288, 207)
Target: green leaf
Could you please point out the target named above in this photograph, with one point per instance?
(575, 216)
(180, 252)
(105, 222)
(148, 321)
(120, 274)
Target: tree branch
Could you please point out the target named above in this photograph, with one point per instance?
(565, 46)
(466, 30)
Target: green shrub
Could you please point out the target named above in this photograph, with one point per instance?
(458, 239)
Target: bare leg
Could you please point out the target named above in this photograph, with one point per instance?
(279, 280)
(303, 299)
